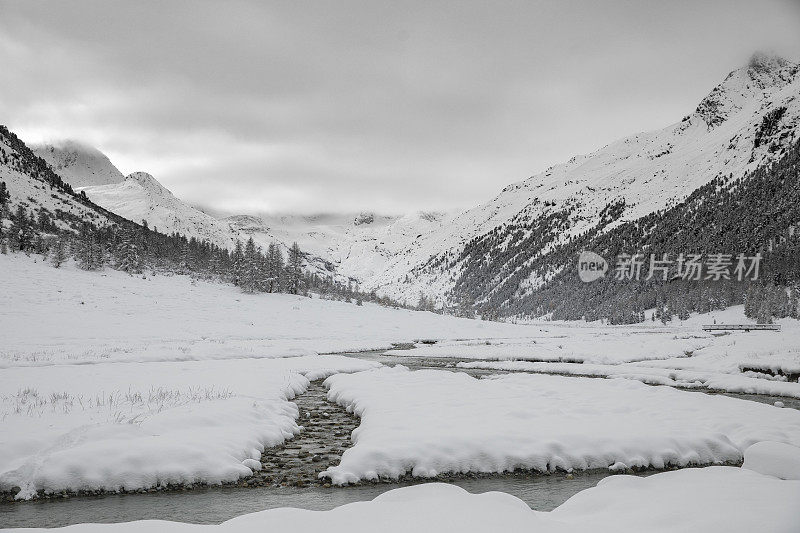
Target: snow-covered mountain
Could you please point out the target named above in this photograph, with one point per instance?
(360, 246)
(78, 164)
(747, 120)
(33, 185)
(141, 197)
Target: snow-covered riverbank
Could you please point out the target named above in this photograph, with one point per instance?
(680, 354)
(429, 422)
(130, 426)
(715, 499)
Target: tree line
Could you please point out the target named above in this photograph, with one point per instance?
(527, 267)
(101, 239)
(136, 249)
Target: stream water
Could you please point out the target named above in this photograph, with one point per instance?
(276, 487)
(215, 505)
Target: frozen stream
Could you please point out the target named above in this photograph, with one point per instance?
(217, 504)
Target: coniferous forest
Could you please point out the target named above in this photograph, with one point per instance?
(757, 214)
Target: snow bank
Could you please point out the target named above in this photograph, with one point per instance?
(429, 422)
(686, 379)
(773, 459)
(712, 500)
(138, 425)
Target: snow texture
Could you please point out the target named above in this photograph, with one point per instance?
(430, 422)
(773, 459)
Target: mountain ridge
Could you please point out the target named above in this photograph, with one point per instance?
(747, 120)
(79, 164)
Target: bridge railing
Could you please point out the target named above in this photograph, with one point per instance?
(741, 327)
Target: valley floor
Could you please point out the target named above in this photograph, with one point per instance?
(111, 382)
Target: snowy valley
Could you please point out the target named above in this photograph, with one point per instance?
(731, 133)
(165, 367)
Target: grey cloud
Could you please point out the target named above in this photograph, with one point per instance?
(400, 106)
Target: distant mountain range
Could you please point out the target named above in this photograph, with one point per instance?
(493, 252)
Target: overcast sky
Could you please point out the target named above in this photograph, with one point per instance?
(296, 106)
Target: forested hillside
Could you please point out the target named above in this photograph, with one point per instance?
(756, 214)
(41, 214)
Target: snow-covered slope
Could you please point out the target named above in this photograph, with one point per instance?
(141, 197)
(78, 164)
(360, 246)
(747, 120)
(34, 186)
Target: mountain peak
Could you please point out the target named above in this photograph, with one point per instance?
(768, 70)
(79, 164)
(769, 62)
(148, 182)
(764, 72)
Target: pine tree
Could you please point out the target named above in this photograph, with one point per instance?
(43, 222)
(666, 314)
(128, 259)
(250, 278)
(5, 196)
(422, 303)
(238, 263)
(186, 257)
(59, 252)
(764, 316)
(750, 303)
(20, 230)
(274, 265)
(215, 264)
(294, 269)
(88, 252)
(794, 312)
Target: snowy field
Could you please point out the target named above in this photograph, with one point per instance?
(429, 422)
(109, 381)
(68, 316)
(679, 354)
(713, 500)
